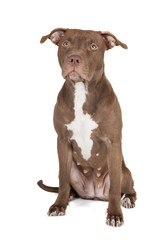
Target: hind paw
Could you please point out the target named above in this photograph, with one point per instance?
(127, 203)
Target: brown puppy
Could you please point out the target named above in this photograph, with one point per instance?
(88, 122)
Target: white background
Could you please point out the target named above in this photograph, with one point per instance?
(30, 79)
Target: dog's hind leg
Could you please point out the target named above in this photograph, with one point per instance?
(128, 193)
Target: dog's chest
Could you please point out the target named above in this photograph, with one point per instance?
(83, 125)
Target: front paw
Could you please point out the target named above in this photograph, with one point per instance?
(56, 210)
(114, 220)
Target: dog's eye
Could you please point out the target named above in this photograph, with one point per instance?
(94, 46)
(65, 43)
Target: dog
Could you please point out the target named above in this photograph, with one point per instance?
(88, 122)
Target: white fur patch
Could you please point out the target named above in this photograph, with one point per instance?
(83, 124)
(126, 202)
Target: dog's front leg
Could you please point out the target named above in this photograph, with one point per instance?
(115, 216)
(65, 162)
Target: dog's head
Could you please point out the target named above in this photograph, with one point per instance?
(81, 52)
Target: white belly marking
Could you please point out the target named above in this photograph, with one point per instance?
(83, 124)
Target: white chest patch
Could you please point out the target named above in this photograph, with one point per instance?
(83, 124)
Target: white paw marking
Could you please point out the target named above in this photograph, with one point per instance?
(108, 221)
(57, 214)
(126, 202)
(118, 223)
(61, 214)
(113, 223)
(83, 125)
(53, 213)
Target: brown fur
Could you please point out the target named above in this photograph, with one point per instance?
(103, 107)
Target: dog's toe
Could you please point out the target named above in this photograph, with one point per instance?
(113, 222)
(61, 213)
(118, 222)
(52, 213)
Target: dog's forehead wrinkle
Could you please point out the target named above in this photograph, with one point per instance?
(82, 35)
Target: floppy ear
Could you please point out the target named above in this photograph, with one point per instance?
(55, 36)
(111, 41)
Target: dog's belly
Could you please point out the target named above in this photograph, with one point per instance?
(89, 184)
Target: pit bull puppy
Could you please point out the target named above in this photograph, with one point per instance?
(88, 122)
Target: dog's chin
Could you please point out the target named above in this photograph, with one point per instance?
(75, 77)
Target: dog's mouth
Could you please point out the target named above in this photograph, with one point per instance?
(75, 76)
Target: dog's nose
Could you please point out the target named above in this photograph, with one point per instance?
(74, 60)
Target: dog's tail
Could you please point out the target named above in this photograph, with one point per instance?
(47, 188)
